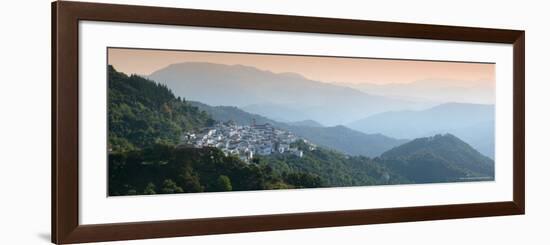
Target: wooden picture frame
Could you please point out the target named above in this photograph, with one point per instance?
(65, 121)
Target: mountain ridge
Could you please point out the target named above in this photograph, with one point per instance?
(473, 123)
(242, 86)
(338, 137)
(437, 90)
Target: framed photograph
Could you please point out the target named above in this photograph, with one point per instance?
(175, 122)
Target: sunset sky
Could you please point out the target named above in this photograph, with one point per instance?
(325, 69)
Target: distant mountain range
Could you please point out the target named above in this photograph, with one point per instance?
(286, 97)
(436, 90)
(474, 123)
(306, 123)
(438, 158)
(291, 100)
(339, 138)
(347, 140)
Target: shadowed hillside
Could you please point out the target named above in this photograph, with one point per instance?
(440, 158)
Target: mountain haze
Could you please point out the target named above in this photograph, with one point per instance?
(339, 138)
(285, 97)
(437, 90)
(307, 123)
(474, 123)
(347, 140)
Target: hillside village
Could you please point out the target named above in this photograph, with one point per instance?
(245, 141)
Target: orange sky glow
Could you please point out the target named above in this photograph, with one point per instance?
(325, 69)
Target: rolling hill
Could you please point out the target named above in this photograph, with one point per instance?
(346, 140)
(333, 167)
(439, 158)
(305, 123)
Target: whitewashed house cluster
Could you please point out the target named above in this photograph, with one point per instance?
(245, 141)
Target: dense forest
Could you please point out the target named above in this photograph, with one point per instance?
(165, 169)
(146, 123)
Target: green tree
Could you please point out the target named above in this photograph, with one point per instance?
(169, 187)
(223, 183)
(191, 181)
(150, 189)
(303, 180)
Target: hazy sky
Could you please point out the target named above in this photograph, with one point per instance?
(326, 69)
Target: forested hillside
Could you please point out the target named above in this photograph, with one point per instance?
(334, 168)
(164, 169)
(440, 158)
(142, 113)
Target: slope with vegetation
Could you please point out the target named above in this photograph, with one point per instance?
(440, 158)
(334, 168)
(142, 113)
